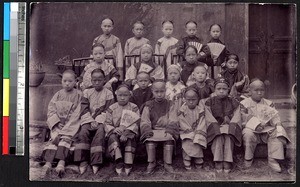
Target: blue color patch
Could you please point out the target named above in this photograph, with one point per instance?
(6, 21)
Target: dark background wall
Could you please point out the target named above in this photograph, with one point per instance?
(60, 29)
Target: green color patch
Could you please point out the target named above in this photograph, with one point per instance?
(6, 59)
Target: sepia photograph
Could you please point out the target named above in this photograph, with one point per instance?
(178, 92)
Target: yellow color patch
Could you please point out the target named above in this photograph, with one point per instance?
(5, 97)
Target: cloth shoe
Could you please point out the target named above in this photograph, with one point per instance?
(95, 169)
(274, 165)
(219, 167)
(150, 168)
(83, 167)
(169, 168)
(248, 163)
(227, 167)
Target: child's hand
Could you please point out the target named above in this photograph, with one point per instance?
(123, 138)
(60, 125)
(114, 79)
(167, 134)
(94, 125)
(119, 130)
(107, 85)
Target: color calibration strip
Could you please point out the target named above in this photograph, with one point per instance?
(13, 79)
(6, 72)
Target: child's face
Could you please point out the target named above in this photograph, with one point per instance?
(123, 96)
(138, 30)
(191, 29)
(159, 91)
(215, 32)
(107, 26)
(257, 91)
(68, 81)
(98, 54)
(191, 99)
(200, 74)
(221, 90)
(190, 55)
(173, 76)
(143, 80)
(232, 64)
(146, 54)
(167, 29)
(97, 81)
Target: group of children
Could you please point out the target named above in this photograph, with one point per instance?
(188, 104)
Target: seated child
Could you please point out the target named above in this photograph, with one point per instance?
(238, 82)
(190, 63)
(111, 43)
(174, 86)
(111, 74)
(159, 125)
(121, 131)
(223, 121)
(199, 82)
(147, 65)
(166, 45)
(143, 93)
(269, 131)
(63, 121)
(218, 49)
(202, 51)
(192, 129)
(133, 45)
(95, 101)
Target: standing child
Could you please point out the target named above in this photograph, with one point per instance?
(238, 82)
(134, 44)
(147, 65)
(121, 130)
(198, 80)
(95, 101)
(166, 45)
(159, 125)
(192, 129)
(202, 51)
(111, 74)
(63, 121)
(218, 50)
(190, 63)
(143, 93)
(111, 43)
(259, 130)
(223, 121)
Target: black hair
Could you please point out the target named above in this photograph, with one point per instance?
(143, 72)
(98, 45)
(215, 24)
(191, 88)
(109, 19)
(123, 84)
(98, 70)
(233, 56)
(190, 21)
(138, 22)
(167, 21)
(191, 46)
(70, 72)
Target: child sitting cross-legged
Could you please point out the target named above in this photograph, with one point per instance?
(192, 129)
(121, 127)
